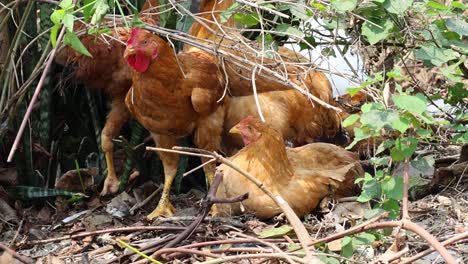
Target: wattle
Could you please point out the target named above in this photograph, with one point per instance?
(139, 62)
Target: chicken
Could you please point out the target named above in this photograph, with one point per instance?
(302, 176)
(207, 27)
(288, 111)
(298, 118)
(107, 70)
(174, 96)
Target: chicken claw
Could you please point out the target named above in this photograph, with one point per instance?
(111, 184)
(164, 209)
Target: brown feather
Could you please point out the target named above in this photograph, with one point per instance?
(302, 176)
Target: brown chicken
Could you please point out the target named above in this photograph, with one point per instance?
(207, 26)
(297, 117)
(107, 70)
(288, 111)
(174, 96)
(302, 176)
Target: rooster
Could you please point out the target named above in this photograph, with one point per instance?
(302, 176)
(174, 96)
(108, 71)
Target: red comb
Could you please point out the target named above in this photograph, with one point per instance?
(247, 120)
(133, 34)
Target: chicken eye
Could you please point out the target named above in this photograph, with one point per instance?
(145, 42)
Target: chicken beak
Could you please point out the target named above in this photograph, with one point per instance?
(234, 130)
(129, 51)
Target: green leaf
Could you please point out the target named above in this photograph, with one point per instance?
(137, 22)
(343, 6)
(57, 16)
(433, 55)
(87, 9)
(371, 213)
(372, 106)
(437, 5)
(73, 41)
(66, 4)
(276, 231)
(353, 91)
(423, 165)
(347, 247)
(363, 239)
(453, 72)
(457, 94)
(350, 120)
(68, 20)
(397, 6)
(226, 14)
(299, 11)
(249, 20)
(375, 34)
(376, 119)
(310, 42)
(414, 104)
(401, 124)
(393, 207)
(370, 190)
(457, 25)
(318, 6)
(359, 134)
(289, 29)
(101, 7)
(393, 188)
(404, 148)
(459, 5)
(53, 34)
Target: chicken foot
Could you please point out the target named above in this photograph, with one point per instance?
(170, 162)
(117, 117)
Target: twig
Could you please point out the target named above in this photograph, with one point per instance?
(112, 230)
(206, 206)
(254, 88)
(179, 152)
(273, 246)
(404, 204)
(204, 210)
(198, 167)
(426, 252)
(188, 251)
(139, 205)
(269, 10)
(353, 230)
(17, 256)
(147, 249)
(230, 241)
(248, 256)
(35, 96)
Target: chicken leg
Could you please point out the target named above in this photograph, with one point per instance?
(170, 162)
(117, 117)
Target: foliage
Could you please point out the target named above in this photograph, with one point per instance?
(397, 34)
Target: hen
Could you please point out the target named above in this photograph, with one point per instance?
(302, 176)
(174, 96)
(207, 26)
(107, 70)
(297, 117)
(289, 112)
